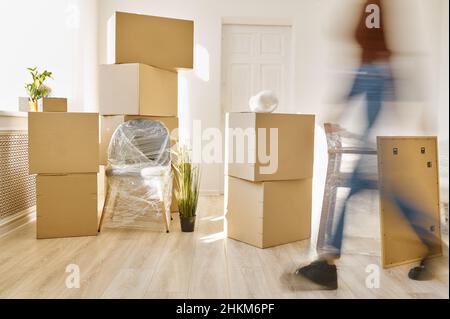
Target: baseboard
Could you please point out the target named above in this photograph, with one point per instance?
(210, 192)
(18, 220)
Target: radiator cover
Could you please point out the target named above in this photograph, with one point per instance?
(17, 187)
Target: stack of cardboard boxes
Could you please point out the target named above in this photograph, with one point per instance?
(141, 80)
(70, 187)
(269, 200)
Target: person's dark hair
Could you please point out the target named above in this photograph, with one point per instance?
(372, 41)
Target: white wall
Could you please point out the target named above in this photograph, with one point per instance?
(319, 59)
(444, 106)
(57, 35)
(443, 81)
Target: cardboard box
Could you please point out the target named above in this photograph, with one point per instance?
(137, 89)
(63, 142)
(161, 42)
(66, 205)
(52, 104)
(408, 168)
(266, 214)
(289, 142)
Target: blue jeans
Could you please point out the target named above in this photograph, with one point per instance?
(375, 82)
(415, 217)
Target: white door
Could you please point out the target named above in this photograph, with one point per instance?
(255, 58)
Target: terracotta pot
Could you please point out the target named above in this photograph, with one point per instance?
(187, 224)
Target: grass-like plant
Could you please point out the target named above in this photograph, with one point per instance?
(187, 179)
(36, 89)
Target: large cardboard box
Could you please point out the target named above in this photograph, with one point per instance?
(63, 142)
(162, 42)
(109, 123)
(137, 89)
(288, 146)
(265, 214)
(66, 205)
(52, 104)
(408, 172)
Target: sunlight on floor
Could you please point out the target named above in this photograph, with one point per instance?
(213, 237)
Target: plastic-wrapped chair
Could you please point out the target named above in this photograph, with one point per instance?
(340, 143)
(139, 173)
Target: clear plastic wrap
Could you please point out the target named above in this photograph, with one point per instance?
(339, 138)
(348, 153)
(139, 144)
(139, 175)
(351, 149)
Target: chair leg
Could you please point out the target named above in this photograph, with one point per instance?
(105, 207)
(166, 218)
(333, 187)
(112, 195)
(323, 225)
(332, 194)
(108, 206)
(328, 203)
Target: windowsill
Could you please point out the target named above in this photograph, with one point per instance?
(11, 120)
(13, 114)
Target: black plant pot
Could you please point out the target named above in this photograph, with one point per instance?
(187, 224)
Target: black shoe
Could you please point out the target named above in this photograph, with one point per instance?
(318, 275)
(421, 272)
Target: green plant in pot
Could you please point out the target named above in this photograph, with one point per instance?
(37, 89)
(187, 179)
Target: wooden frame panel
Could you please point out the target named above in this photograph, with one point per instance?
(408, 167)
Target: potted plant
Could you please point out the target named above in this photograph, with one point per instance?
(37, 89)
(187, 179)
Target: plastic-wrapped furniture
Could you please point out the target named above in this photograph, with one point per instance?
(340, 143)
(139, 174)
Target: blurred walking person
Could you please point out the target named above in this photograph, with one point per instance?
(373, 80)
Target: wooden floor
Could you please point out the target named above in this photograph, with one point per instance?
(127, 263)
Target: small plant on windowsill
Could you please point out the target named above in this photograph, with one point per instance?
(187, 179)
(37, 89)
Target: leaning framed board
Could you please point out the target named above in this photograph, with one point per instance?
(409, 198)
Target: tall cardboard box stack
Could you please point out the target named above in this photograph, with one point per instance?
(63, 151)
(269, 199)
(141, 79)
